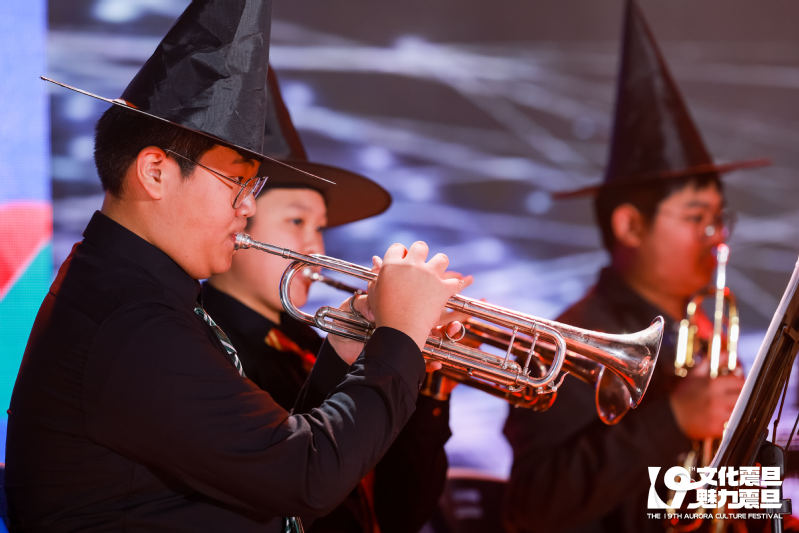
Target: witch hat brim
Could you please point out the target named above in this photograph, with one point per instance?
(642, 180)
(127, 105)
(354, 197)
(654, 137)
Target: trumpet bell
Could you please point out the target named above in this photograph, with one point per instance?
(612, 398)
(618, 366)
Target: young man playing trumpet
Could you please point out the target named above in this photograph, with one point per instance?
(130, 411)
(661, 212)
(277, 352)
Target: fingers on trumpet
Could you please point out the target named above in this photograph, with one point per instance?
(410, 292)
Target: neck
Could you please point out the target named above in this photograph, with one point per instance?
(122, 213)
(671, 304)
(640, 279)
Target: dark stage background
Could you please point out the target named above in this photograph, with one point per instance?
(471, 114)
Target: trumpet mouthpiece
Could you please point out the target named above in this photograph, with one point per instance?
(722, 253)
(243, 241)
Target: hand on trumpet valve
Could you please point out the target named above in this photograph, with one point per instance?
(701, 404)
(349, 349)
(449, 326)
(407, 289)
(448, 329)
(410, 291)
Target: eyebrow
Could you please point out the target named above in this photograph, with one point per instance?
(701, 203)
(298, 205)
(302, 207)
(241, 160)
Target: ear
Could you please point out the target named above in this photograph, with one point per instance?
(628, 225)
(150, 170)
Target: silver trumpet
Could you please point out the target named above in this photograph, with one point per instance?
(514, 375)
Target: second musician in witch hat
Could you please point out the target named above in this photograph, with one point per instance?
(278, 352)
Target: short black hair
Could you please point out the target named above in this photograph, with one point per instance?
(646, 197)
(121, 134)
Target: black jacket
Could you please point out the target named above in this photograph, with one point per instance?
(570, 471)
(407, 482)
(128, 416)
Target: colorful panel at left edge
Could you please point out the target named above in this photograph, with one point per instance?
(25, 275)
(25, 206)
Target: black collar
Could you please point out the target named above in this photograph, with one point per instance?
(236, 317)
(114, 240)
(614, 289)
(246, 321)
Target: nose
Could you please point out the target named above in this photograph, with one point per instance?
(247, 207)
(314, 243)
(720, 228)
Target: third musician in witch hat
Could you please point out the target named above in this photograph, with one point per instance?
(661, 212)
(278, 352)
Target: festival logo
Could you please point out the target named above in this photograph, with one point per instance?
(726, 492)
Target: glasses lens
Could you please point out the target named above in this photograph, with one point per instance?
(723, 224)
(251, 186)
(728, 220)
(258, 185)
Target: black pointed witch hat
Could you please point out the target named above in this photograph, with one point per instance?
(654, 137)
(353, 197)
(208, 74)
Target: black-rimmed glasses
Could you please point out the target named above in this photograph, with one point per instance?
(709, 225)
(724, 222)
(252, 185)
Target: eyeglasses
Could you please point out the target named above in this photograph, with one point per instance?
(709, 225)
(252, 185)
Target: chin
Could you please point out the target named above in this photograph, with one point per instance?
(707, 278)
(698, 287)
(299, 300)
(299, 296)
(221, 266)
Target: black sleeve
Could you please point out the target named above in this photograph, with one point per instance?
(327, 372)
(410, 478)
(570, 469)
(162, 392)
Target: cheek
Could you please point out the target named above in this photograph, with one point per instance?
(706, 264)
(267, 277)
(299, 293)
(289, 238)
(258, 269)
(273, 273)
(208, 217)
(218, 239)
(690, 263)
(319, 242)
